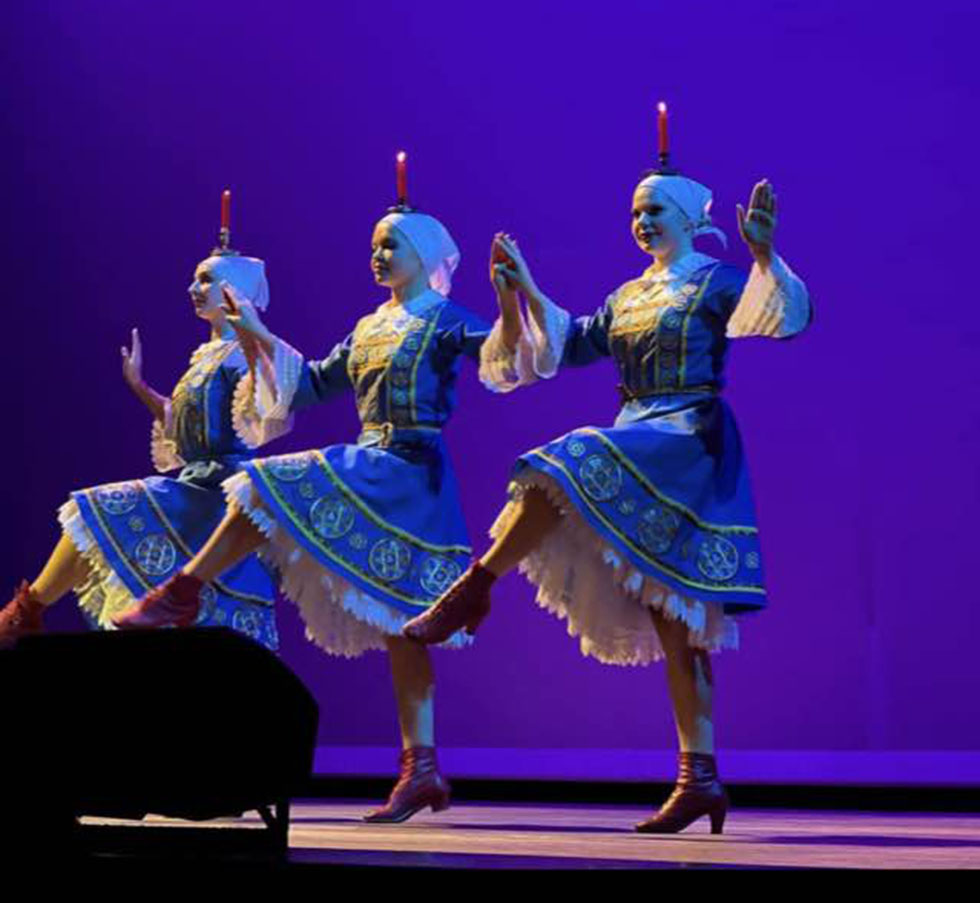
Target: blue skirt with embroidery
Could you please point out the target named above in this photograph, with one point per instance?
(140, 532)
(667, 486)
(386, 519)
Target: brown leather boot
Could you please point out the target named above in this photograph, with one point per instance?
(20, 616)
(176, 602)
(698, 792)
(419, 785)
(465, 604)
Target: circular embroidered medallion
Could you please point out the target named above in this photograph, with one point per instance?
(399, 396)
(119, 498)
(658, 527)
(247, 622)
(576, 448)
(390, 558)
(402, 360)
(155, 554)
(718, 559)
(438, 574)
(331, 516)
(412, 342)
(601, 477)
(672, 320)
(288, 468)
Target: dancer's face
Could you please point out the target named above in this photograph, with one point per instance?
(659, 226)
(393, 260)
(205, 290)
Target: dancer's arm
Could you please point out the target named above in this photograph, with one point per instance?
(132, 364)
(163, 448)
(550, 337)
(279, 379)
(774, 301)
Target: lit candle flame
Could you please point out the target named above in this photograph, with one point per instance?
(662, 107)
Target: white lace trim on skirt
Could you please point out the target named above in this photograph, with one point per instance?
(605, 600)
(339, 617)
(102, 595)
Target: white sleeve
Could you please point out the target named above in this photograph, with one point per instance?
(537, 355)
(260, 411)
(163, 448)
(774, 303)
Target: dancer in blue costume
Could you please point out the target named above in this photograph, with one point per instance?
(122, 539)
(642, 535)
(364, 536)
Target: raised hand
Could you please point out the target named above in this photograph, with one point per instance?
(132, 362)
(505, 285)
(514, 268)
(758, 225)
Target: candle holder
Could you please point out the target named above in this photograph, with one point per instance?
(665, 169)
(223, 249)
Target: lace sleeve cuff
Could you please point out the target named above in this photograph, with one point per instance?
(261, 410)
(774, 303)
(163, 448)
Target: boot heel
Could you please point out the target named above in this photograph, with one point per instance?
(718, 819)
(441, 805)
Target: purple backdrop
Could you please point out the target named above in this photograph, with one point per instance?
(124, 121)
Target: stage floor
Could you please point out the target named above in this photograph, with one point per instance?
(484, 835)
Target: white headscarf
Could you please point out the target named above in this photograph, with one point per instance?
(433, 243)
(693, 198)
(246, 274)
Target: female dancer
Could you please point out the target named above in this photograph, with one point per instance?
(122, 539)
(363, 536)
(642, 534)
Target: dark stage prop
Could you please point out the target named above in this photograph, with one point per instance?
(192, 724)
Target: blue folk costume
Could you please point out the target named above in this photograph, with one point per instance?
(366, 536)
(136, 534)
(658, 509)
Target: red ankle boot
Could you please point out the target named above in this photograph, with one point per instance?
(419, 785)
(174, 602)
(20, 616)
(465, 604)
(698, 792)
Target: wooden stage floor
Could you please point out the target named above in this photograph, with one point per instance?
(498, 836)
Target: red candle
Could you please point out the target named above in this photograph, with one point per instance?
(663, 146)
(226, 209)
(401, 178)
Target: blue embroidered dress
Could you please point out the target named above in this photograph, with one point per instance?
(137, 533)
(366, 536)
(658, 507)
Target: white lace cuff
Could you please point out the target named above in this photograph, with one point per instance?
(163, 448)
(774, 303)
(503, 370)
(260, 411)
(548, 341)
(537, 355)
